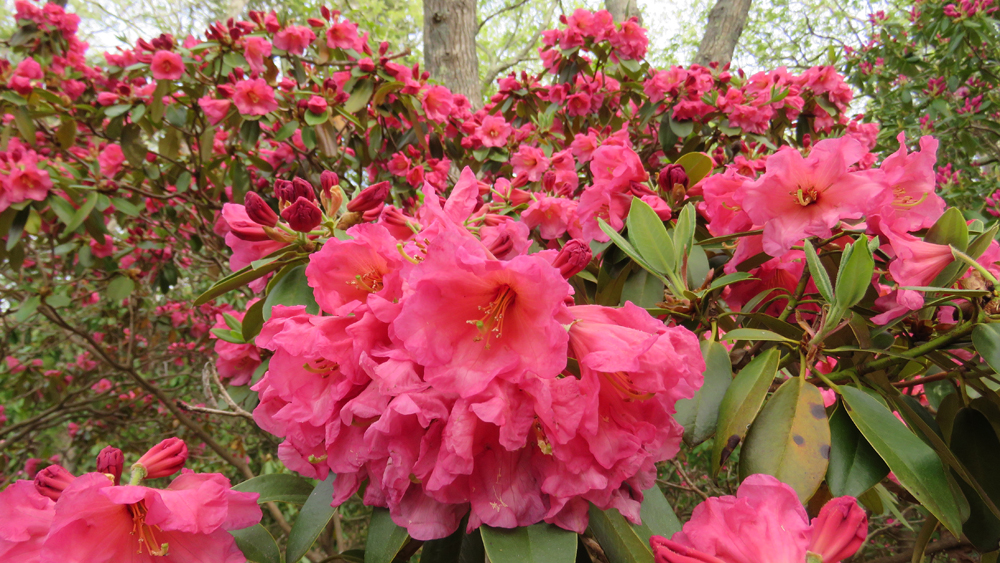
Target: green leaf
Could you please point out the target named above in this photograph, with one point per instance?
(818, 272)
(624, 245)
(116, 110)
(643, 289)
(238, 279)
(120, 288)
(286, 131)
(257, 544)
(292, 289)
(649, 236)
(82, 213)
(681, 128)
(385, 538)
(314, 119)
(445, 550)
(975, 444)
(250, 133)
(25, 125)
(697, 165)
(855, 275)
(132, 145)
(27, 308)
(360, 94)
(855, 466)
(539, 543)
(279, 487)
(683, 234)
(624, 542)
(790, 439)
(699, 415)
(740, 405)
(253, 321)
(754, 334)
(312, 519)
(916, 466)
(950, 229)
(66, 135)
(17, 224)
(728, 279)
(986, 339)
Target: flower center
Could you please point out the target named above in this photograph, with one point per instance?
(253, 97)
(806, 196)
(491, 323)
(371, 281)
(147, 533)
(623, 384)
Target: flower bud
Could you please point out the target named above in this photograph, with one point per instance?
(283, 190)
(366, 65)
(839, 530)
(51, 481)
(328, 179)
(302, 188)
(259, 211)
(501, 245)
(303, 215)
(370, 197)
(316, 104)
(111, 462)
(372, 214)
(162, 460)
(670, 177)
(573, 258)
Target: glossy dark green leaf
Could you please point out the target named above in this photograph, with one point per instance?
(950, 229)
(280, 487)
(624, 542)
(360, 94)
(699, 415)
(697, 165)
(257, 544)
(855, 275)
(385, 538)
(986, 339)
(538, 543)
(855, 466)
(292, 289)
(238, 279)
(253, 321)
(740, 405)
(81, 214)
(311, 520)
(643, 289)
(445, 550)
(818, 272)
(915, 464)
(790, 439)
(753, 334)
(976, 445)
(649, 237)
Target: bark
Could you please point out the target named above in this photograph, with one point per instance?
(725, 25)
(450, 46)
(622, 10)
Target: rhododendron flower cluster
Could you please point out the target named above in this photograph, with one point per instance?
(765, 522)
(92, 519)
(450, 370)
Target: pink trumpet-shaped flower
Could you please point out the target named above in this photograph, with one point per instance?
(24, 523)
(167, 66)
(909, 203)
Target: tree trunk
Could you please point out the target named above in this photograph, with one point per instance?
(622, 10)
(450, 46)
(725, 24)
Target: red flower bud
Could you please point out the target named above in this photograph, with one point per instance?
(501, 245)
(259, 211)
(111, 461)
(366, 65)
(325, 12)
(370, 197)
(303, 215)
(51, 481)
(573, 258)
(283, 190)
(315, 22)
(302, 188)
(316, 104)
(328, 179)
(372, 214)
(839, 529)
(671, 176)
(226, 90)
(163, 459)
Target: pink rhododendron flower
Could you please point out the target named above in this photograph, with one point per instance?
(167, 65)
(437, 101)
(20, 177)
(346, 271)
(254, 97)
(552, 215)
(294, 39)
(494, 131)
(26, 519)
(215, 110)
(343, 35)
(799, 197)
(111, 160)
(909, 203)
(764, 522)
(255, 50)
(530, 162)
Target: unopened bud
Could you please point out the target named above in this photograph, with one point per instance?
(302, 188)
(162, 460)
(372, 214)
(501, 245)
(111, 461)
(52, 480)
(573, 258)
(670, 177)
(259, 211)
(303, 215)
(328, 179)
(370, 197)
(316, 105)
(839, 530)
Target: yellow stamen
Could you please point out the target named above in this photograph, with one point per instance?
(147, 533)
(491, 323)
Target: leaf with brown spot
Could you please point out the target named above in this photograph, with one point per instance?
(740, 405)
(788, 440)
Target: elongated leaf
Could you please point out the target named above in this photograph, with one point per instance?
(916, 466)
(753, 334)
(649, 237)
(253, 321)
(238, 279)
(445, 550)
(854, 276)
(986, 339)
(626, 247)
(257, 544)
(360, 94)
(312, 519)
(539, 543)
(281, 487)
(624, 542)
(385, 538)
(976, 445)
(120, 288)
(683, 234)
(855, 466)
(740, 405)
(819, 275)
(699, 415)
(728, 279)
(790, 439)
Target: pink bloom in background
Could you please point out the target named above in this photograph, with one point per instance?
(723, 202)
(254, 97)
(909, 203)
(438, 105)
(111, 160)
(798, 197)
(530, 162)
(294, 39)
(255, 50)
(167, 65)
(24, 522)
(494, 131)
(343, 35)
(215, 110)
(764, 522)
(20, 177)
(552, 215)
